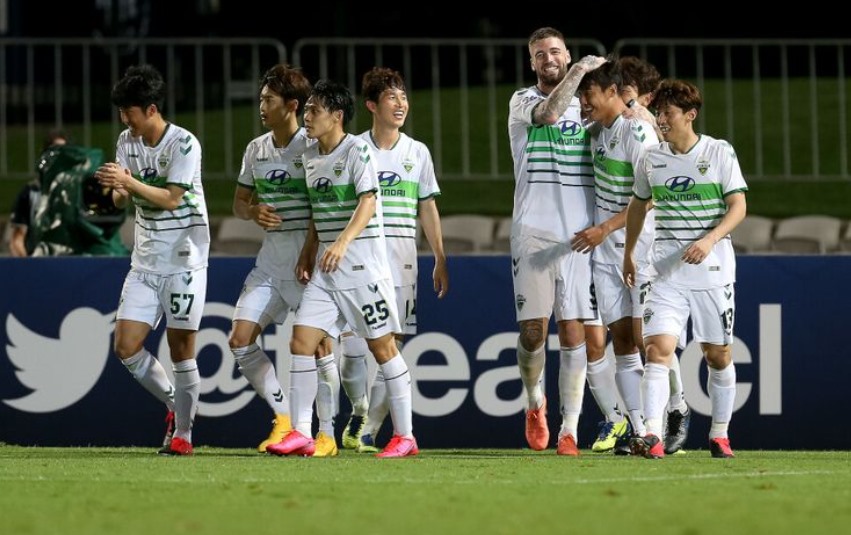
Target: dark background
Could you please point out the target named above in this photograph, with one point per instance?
(290, 21)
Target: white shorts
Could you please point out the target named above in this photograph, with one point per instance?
(368, 311)
(406, 304)
(265, 299)
(712, 313)
(146, 297)
(550, 279)
(614, 299)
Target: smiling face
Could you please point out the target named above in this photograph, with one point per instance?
(549, 58)
(674, 123)
(391, 108)
(136, 119)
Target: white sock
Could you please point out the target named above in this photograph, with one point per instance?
(655, 389)
(151, 375)
(353, 372)
(532, 373)
(601, 380)
(379, 405)
(398, 381)
(187, 387)
(677, 401)
(304, 381)
(571, 387)
(256, 366)
(722, 393)
(628, 375)
(328, 393)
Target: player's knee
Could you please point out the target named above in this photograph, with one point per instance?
(383, 349)
(718, 357)
(124, 349)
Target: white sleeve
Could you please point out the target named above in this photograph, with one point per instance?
(246, 172)
(362, 168)
(185, 161)
(641, 186)
(428, 187)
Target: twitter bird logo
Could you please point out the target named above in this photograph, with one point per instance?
(60, 371)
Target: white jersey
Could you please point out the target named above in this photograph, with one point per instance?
(688, 191)
(616, 150)
(335, 183)
(168, 241)
(554, 181)
(277, 177)
(406, 177)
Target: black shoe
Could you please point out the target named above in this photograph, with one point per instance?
(676, 431)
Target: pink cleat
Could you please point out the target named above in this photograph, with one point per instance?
(649, 446)
(720, 448)
(169, 428)
(537, 432)
(567, 446)
(177, 446)
(399, 447)
(294, 443)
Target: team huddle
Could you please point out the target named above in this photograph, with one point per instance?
(616, 231)
(613, 232)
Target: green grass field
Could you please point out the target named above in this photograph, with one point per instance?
(234, 491)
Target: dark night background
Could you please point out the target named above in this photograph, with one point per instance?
(288, 22)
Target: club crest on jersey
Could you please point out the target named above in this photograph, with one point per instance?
(648, 313)
(163, 161)
(614, 142)
(703, 166)
(407, 164)
(338, 168)
(298, 163)
(520, 300)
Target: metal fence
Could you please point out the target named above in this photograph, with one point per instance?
(66, 83)
(782, 103)
(458, 88)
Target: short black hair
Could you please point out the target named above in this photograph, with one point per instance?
(142, 85)
(334, 97)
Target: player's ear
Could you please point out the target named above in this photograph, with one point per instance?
(371, 106)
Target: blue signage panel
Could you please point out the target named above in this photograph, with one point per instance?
(60, 384)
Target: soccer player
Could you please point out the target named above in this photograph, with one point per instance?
(351, 283)
(553, 199)
(640, 80)
(408, 190)
(158, 169)
(697, 188)
(616, 143)
(271, 191)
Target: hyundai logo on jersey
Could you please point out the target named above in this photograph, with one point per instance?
(388, 179)
(679, 184)
(147, 174)
(322, 184)
(278, 177)
(570, 128)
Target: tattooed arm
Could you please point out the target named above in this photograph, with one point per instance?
(552, 107)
